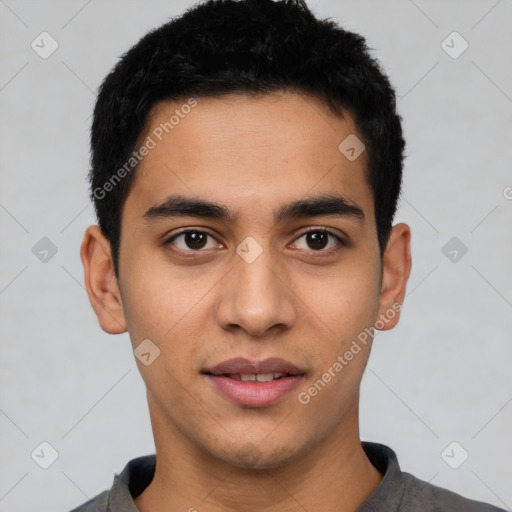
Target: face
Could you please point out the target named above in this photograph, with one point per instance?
(249, 234)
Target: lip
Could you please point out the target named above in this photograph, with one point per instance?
(254, 394)
(242, 365)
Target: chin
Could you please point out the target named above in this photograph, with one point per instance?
(259, 455)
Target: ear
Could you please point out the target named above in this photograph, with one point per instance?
(396, 267)
(100, 281)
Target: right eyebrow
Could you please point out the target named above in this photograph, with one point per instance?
(181, 206)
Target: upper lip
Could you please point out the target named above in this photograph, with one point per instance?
(240, 365)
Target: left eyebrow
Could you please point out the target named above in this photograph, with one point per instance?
(326, 204)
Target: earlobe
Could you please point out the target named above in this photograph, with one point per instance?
(100, 281)
(396, 267)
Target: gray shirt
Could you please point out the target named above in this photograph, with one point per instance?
(397, 492)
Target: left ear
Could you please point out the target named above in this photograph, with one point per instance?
(396, 267)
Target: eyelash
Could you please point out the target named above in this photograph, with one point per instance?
(339, 239)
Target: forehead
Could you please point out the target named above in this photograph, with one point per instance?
(248, 153)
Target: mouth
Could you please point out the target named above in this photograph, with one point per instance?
(254, 384)
(254, 377)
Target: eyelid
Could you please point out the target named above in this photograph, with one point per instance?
(192, 229)
(342, 238)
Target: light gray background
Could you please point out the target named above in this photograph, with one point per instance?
(442, 375)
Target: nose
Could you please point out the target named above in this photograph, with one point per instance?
(256, 298)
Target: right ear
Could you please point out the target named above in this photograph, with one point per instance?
(101, 282)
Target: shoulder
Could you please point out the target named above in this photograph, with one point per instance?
(421, 495)
(402, 492)
(96, 504)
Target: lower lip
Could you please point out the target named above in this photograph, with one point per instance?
(254, 394)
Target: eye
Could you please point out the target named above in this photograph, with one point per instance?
(192, 241)
(318, 239)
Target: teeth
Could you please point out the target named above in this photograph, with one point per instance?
(265, 377)
(260, 377)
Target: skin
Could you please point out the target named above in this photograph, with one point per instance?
(296, 301)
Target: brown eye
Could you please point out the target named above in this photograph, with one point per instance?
(320, 240)
(192, 241)
(195, 240)
(317, 240)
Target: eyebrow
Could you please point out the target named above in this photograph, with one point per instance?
(326, 204)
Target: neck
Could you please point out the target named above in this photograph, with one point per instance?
(334, 475)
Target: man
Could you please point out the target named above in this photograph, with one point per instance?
(246, 166)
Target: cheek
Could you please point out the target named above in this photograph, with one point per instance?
(162, 302)
(343, 310)
(346, 300)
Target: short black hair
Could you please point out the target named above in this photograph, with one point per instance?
(254, 47)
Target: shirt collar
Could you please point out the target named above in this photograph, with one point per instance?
(390, 491)
(130, 483)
